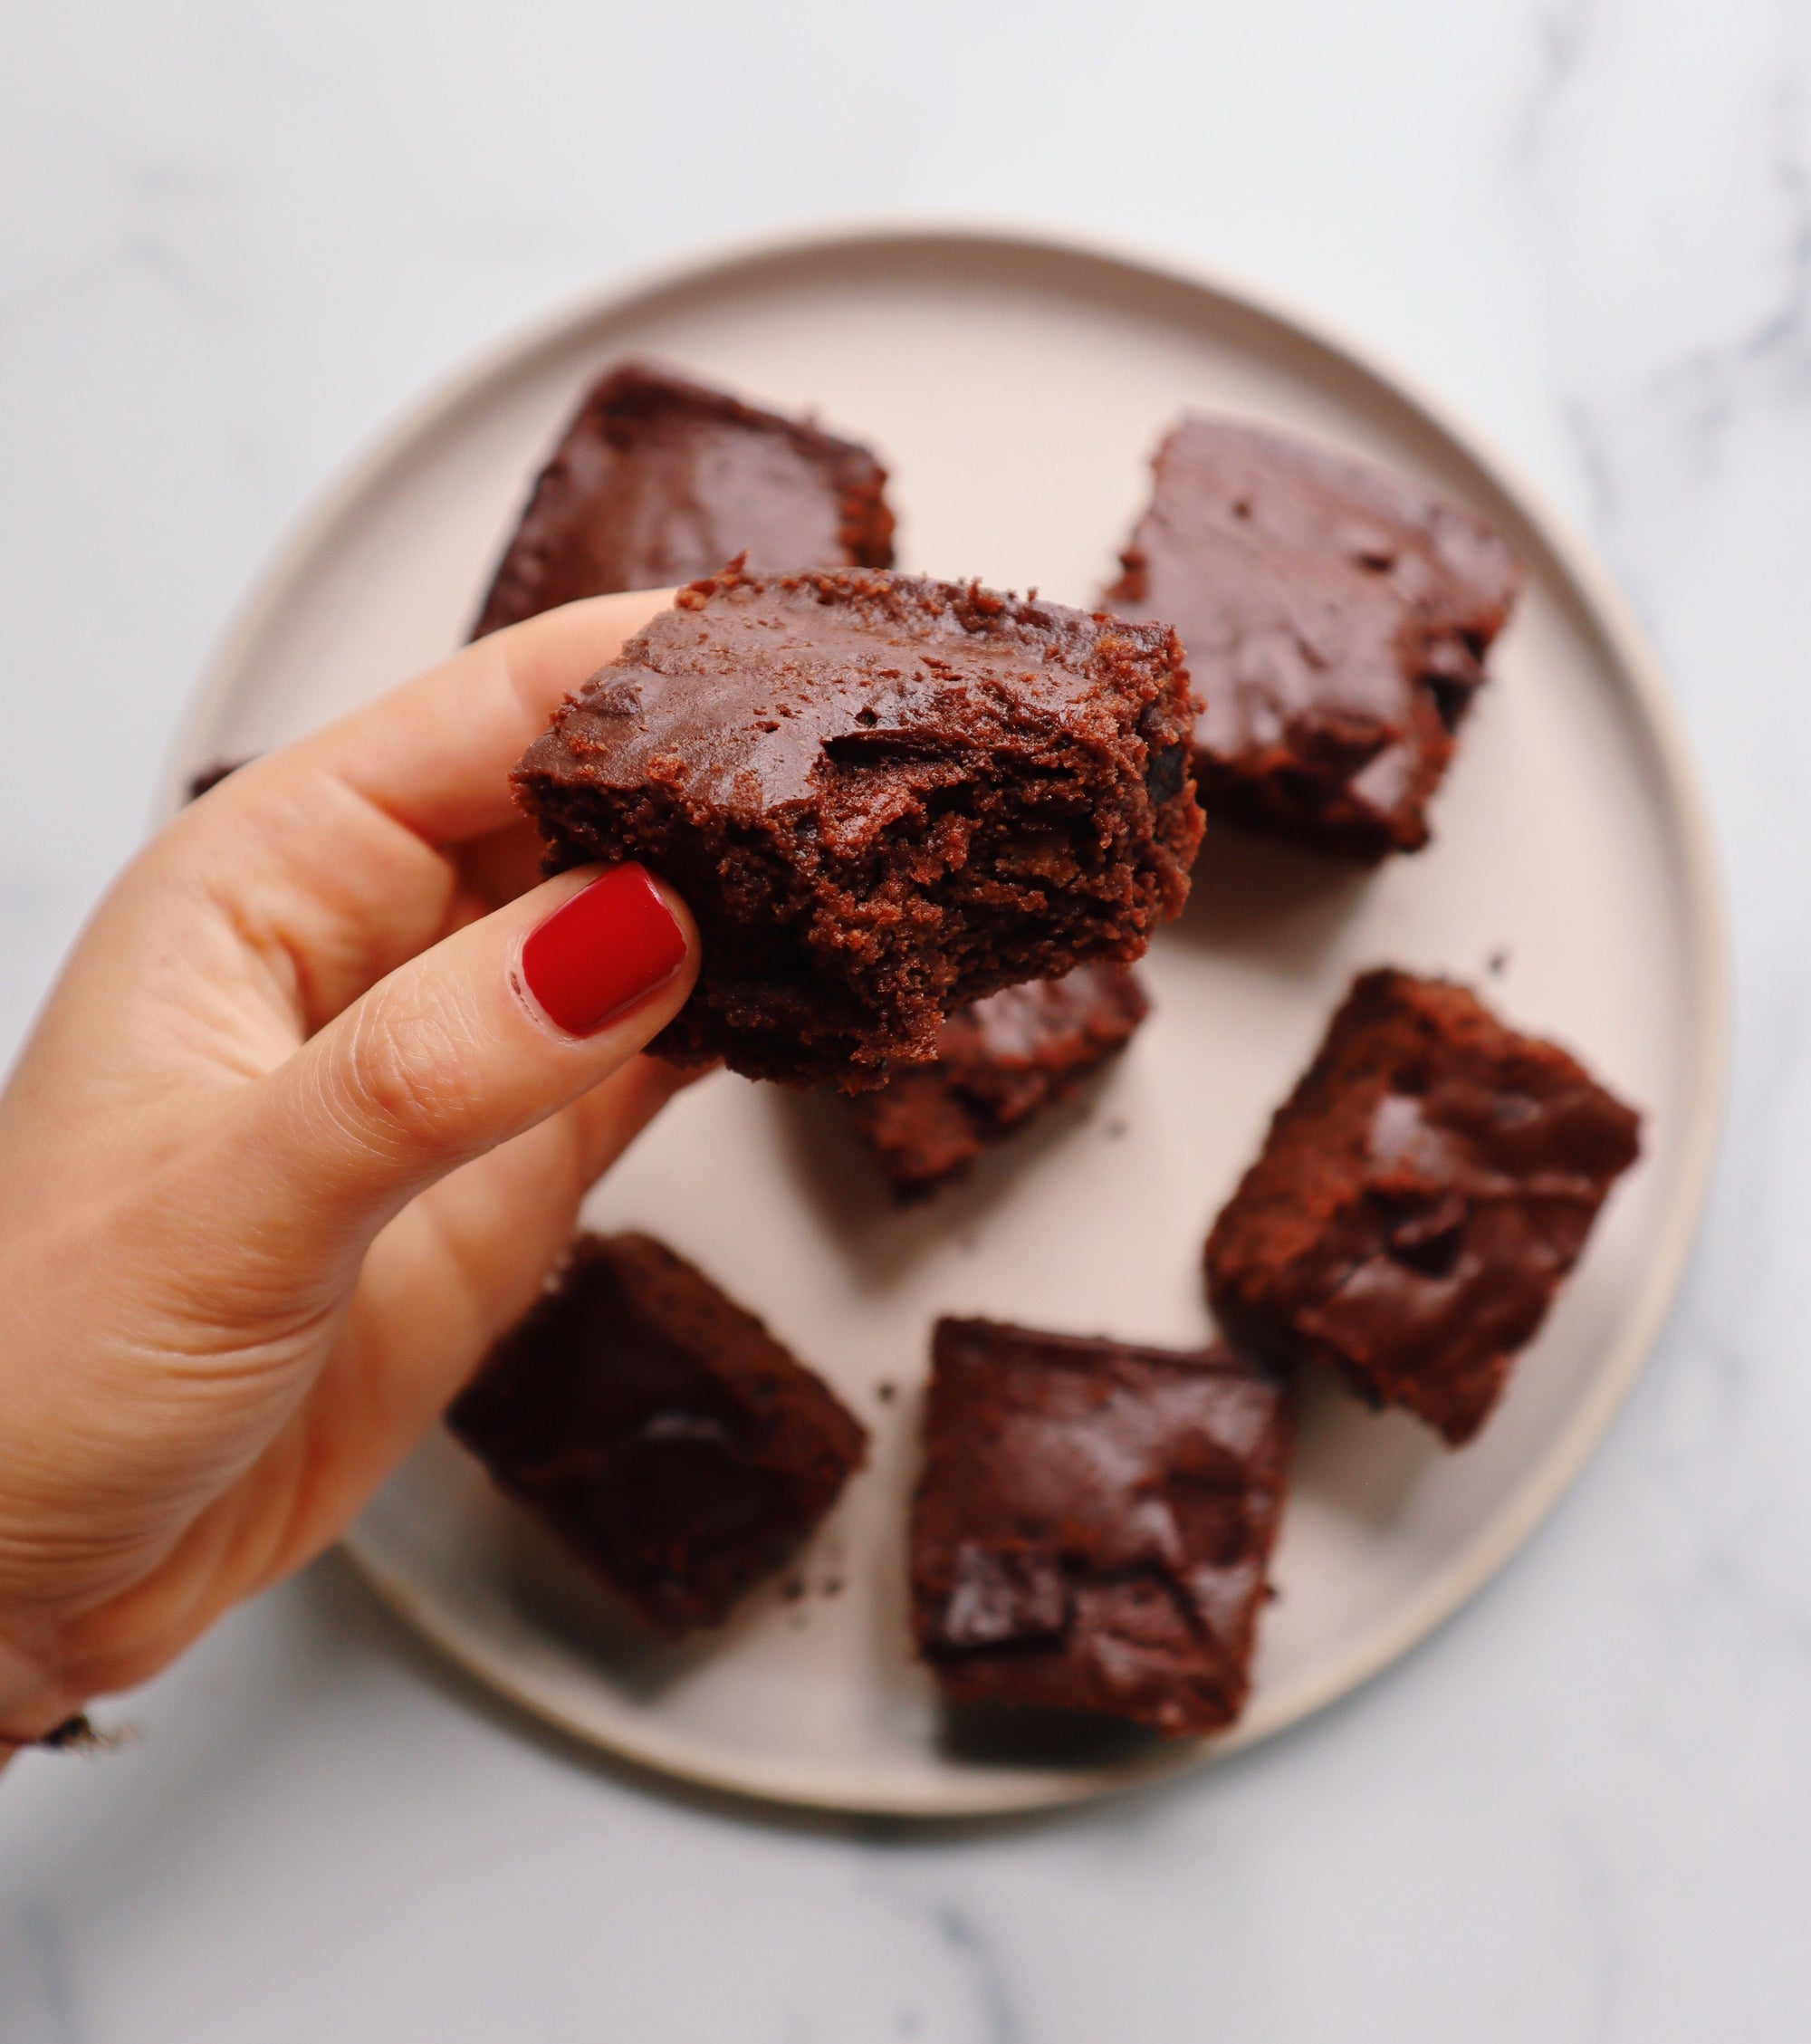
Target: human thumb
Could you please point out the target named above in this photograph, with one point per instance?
(494, 1029)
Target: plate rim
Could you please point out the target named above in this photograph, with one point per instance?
(1704, 900)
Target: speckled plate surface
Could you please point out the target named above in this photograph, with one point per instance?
(1015, 388)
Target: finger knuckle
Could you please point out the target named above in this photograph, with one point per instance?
(404, 1078)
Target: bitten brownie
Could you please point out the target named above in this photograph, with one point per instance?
(1335, 619)
(672, 1444)
(1093, 1522)
(999, 1064)
(883, 797)
(659, 479)
(1420, 1198)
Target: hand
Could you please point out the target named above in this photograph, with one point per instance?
(298, 1134)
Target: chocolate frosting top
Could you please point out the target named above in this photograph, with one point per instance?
(659, 479)
(1315, 598)
(1059, 1460)
(753, 696)
(660, 1429)
(1043, 1019)
(1481, 1195)
(1424, 1191)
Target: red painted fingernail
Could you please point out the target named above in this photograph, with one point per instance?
(599, 954)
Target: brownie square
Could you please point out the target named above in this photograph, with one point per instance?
(1093, 1523)
(998, 1065)
(666, 1438)
(658, 479)
(1335, 619)
(883, 797)
(1420, 1198)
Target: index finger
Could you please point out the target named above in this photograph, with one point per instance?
(435, 754)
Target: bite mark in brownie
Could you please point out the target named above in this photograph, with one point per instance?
(671, 1444)
(658, 480)
(1093, 1523)
(999, 1064)
(1420, 1198)
(1334, 617)
(883, 797)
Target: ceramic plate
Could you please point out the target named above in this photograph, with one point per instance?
(1015, 389)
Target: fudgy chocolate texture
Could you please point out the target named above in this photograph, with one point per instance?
(883, 797)
(1093, 1522)
(999, 1064)
(672, 1444)
(658, 480)
(1334, 619)
(1420, 1198)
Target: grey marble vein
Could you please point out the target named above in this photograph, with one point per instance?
(37, 2005)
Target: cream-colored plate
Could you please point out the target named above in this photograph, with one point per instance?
(1015, 388)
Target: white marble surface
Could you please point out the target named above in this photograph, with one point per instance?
(234, 238)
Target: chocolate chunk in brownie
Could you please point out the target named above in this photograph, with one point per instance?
(1420, 1198)
(666, 1438)
(1335, 619)
(1093, 1522)
(658, 479)
(883, 797)
(999, 1064)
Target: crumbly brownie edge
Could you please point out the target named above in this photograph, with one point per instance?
(843, 1013)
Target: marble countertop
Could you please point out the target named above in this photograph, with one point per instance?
(236, 239)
